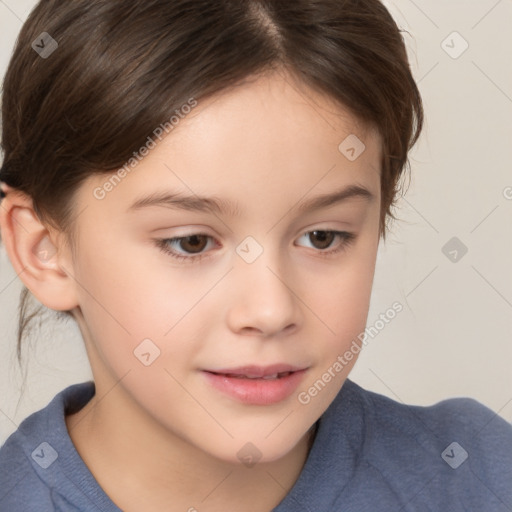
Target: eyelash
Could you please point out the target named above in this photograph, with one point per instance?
(163, 244)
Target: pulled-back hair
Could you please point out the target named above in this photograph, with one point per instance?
(123, 67)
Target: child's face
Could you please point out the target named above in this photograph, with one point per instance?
(263, 293)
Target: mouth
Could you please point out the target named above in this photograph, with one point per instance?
(245, 376)
(274, 371)
(257, 385)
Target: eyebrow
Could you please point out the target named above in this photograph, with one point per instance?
(220, 206)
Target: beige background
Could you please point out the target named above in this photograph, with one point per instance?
(454, 336)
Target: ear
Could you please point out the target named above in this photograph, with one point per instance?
(39, 257)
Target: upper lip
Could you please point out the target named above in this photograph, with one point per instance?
(258, 371)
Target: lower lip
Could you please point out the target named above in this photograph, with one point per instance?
(256, 391)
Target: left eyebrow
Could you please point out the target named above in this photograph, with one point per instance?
(222, 206)
(339, 196)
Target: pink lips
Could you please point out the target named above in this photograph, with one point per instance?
(257, 385)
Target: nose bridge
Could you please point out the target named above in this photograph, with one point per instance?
(263, 299)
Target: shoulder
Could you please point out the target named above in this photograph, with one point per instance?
(462, 420)
(17, 477)
(458, 416)
(455, 451)
(38, 463)
(20, 484)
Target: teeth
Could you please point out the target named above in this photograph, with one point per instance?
(268, 377)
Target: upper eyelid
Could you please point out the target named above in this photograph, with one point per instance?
(303, 232)
(200, 233)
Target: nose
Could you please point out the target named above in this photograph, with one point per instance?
(263, 301)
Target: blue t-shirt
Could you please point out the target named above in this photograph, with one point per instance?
(370, 453)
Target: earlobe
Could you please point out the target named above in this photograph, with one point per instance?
(36, 258)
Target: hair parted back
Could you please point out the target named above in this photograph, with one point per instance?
(122, 67)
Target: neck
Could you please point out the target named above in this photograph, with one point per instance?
(141, 465)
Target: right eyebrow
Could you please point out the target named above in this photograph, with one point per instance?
(176, 200)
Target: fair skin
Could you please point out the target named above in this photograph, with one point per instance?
(160, 437)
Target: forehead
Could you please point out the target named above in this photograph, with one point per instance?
(276, 104)
(268, 133)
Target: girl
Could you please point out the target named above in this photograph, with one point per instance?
(202, 186)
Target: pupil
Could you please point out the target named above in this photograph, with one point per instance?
(195, 243)
(324, 236)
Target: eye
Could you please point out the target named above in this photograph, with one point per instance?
(323, 239)
(193, 247)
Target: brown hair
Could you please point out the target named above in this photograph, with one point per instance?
(122, 67)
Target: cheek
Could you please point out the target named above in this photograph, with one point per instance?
(343, 312)
(129, 287)
(128, 295)
(342, 297)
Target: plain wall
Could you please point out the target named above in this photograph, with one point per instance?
(454, 335)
